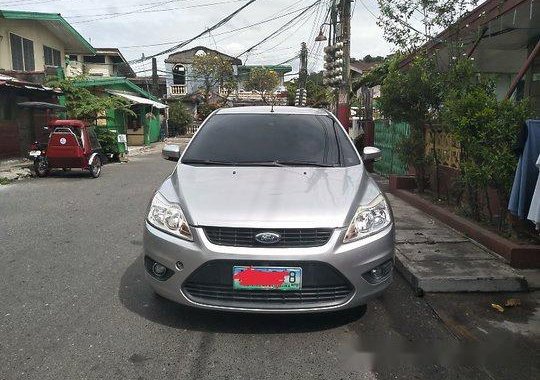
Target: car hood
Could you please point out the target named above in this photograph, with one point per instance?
(269, 197)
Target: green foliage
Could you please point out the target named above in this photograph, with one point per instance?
(373, 77)
(318, 95)
(179, 117)
(204, 109)
(107, 140)
(486, 129)
(82, 104)
(263, 80)
(400, 19)
(413, 96)
(4, 181)
(214, 70)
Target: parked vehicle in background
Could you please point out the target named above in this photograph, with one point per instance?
(72, 144)
(270, 209)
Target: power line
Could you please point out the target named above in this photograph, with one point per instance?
(218, 34)
(279, 30)
(300, 24)
(215, 26)
(118, 14)
(145, 10)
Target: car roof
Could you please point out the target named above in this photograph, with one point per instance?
(288, 110)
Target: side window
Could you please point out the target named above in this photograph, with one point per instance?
(348, 151)
(94, 142)
(52, 56)
(22, 53)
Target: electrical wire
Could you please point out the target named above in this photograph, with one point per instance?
(280, 30)
(219, 34)
(146, 11)
(207, 30)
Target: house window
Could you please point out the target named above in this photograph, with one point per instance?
(94, 59)
(52, 56)
(179, 75)
(22, 53)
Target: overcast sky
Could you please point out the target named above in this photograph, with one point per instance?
(133, 25)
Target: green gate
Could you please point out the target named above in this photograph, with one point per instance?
(387, 136)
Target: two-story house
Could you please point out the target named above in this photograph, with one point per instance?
(31, 42)
(32, 45)
(180, 78)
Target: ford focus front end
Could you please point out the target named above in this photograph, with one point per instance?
(269, 210)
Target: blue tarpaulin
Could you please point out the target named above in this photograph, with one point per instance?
(526, 172)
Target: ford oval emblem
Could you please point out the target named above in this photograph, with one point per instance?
(268, 237)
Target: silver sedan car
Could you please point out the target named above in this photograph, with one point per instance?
(270, 209)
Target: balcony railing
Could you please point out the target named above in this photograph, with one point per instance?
(178, 89)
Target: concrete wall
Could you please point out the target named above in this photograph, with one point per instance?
(32, 31)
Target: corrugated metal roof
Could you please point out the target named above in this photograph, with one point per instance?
(74, 42)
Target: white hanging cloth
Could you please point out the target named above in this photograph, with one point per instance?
(534, 210)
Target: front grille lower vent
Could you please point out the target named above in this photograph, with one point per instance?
(290, 237)
(322, 286)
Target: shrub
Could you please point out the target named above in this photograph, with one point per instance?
(107, 140)
(486, 129)
(179, 118)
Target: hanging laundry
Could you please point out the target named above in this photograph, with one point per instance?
(526, 172)
(534, 210)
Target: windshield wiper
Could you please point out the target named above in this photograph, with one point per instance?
(303, 163)
(208, 162)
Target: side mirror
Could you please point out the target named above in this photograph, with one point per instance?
(371, 154)
(171, 152)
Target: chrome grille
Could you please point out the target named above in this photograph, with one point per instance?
(290, 237)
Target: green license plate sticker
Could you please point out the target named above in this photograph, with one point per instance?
(267, 278)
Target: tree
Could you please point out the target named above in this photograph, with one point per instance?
(410, 23)
(84, 105)
(214, 70)
(262, 80)
(318, 95)
(413, 95)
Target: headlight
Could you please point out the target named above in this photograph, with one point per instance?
(368, 220)
(168, 217)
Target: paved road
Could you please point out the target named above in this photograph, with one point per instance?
(74, 304)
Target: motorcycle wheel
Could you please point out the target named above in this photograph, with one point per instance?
(95, 168)
(41, 167)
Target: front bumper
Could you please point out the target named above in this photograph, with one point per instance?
(350, 260)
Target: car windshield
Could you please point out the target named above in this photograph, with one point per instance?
(271, 140)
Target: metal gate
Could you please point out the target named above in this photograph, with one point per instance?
(387, 136)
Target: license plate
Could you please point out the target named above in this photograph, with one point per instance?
(267, 278)
(35, 153)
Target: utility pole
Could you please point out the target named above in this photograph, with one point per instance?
(301, 93)
(155, 85)
(344, 36)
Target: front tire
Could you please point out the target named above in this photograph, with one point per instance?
(95, 167)
(41, 167)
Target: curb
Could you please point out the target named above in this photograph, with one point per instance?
(458, 284)
(518, 256)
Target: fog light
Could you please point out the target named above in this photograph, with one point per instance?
(379, 273)
(159, 270)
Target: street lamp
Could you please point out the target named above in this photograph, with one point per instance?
(321, 37)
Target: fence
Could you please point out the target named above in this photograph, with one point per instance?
(387, 136)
